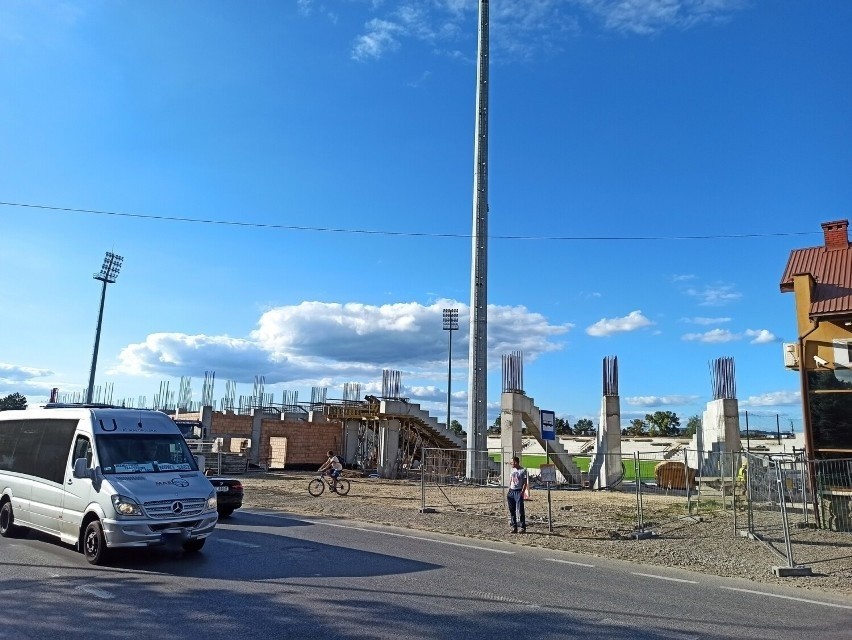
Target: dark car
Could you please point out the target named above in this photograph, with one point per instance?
(229, 494)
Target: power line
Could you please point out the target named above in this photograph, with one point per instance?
(380, 232)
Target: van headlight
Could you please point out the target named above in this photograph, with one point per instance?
(125, 506)
(212, 503)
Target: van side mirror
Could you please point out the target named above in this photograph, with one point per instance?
(81, 468)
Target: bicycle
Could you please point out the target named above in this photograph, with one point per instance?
(317, 485)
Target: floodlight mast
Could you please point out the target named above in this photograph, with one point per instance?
(451, 323)
(108, 275)
(477, 405)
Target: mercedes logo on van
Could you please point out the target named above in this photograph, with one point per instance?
(180, 482)
(177, 507)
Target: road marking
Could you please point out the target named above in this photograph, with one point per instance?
(238, 543)
(576, 564)
(651, 575)
(94, 591)
(387, 533)
(403, 535)
(775, 595)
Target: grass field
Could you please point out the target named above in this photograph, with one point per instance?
(533, 462)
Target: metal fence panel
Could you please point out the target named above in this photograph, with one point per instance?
(834, 493)
(779, 501)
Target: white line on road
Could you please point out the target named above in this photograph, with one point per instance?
(386, 533)
(577, 564)
(651, 575)
(402, 535)
(775, 595)
(94, 591)
(238, 543)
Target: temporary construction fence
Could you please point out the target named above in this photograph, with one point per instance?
(692, 483)
(780, 501)
(833, 481)
(651, 493)
(799, 509)
(212, 458)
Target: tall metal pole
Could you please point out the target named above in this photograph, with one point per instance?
(91, 387)
(449, 376)
(451, 323)
(477, 361)
(108, 274)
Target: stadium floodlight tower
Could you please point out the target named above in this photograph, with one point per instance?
(108, 275)
(451, 323)
(477, 405)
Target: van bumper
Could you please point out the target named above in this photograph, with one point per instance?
(149, 533)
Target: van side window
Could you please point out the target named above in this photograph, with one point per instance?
(82, 449)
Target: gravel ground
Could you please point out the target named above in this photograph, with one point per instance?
(594, 523)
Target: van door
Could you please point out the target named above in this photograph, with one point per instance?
(78, 491)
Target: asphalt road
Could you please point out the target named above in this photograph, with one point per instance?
(273, 575)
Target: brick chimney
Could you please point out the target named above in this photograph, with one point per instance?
(836, 236)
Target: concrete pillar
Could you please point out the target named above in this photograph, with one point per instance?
(206, 422)
(349, 447)
(257, 417)
(719, 433)
(605, 468)
(511, 431)
(388, 448)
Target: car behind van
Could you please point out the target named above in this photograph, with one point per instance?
(102, 478)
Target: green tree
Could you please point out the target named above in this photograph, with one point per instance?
(584, 426)
(692, 426)
(455, 427)
(663, 423)
(563, 427)
(637, 427)
(495, 428)
(13, 401)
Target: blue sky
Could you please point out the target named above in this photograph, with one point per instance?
(290, 184)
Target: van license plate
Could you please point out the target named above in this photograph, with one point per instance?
(222, 489)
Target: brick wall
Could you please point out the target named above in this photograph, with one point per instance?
(307, 442)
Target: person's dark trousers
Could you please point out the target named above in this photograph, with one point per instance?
(515, 499)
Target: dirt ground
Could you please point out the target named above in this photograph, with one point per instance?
(595, 523)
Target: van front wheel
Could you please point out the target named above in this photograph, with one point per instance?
(7, 520)
(94, 543)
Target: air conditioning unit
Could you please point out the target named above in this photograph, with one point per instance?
(791, 355)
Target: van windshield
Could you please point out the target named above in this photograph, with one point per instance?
(144, 453)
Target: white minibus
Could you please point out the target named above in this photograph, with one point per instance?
(101, 478)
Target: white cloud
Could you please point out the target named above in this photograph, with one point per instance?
(646, 17)
(422, 79)
(761, 336)
(773, 399)
(608, 326)
(333, 341)
(660, 401)
(12, 373)
(519, 28)
(701, 320)
(713, 336)
(381, 36)
(714, 296)
(27, 381)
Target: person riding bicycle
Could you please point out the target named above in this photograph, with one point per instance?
(334, 467)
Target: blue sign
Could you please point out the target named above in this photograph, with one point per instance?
(548, 425)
